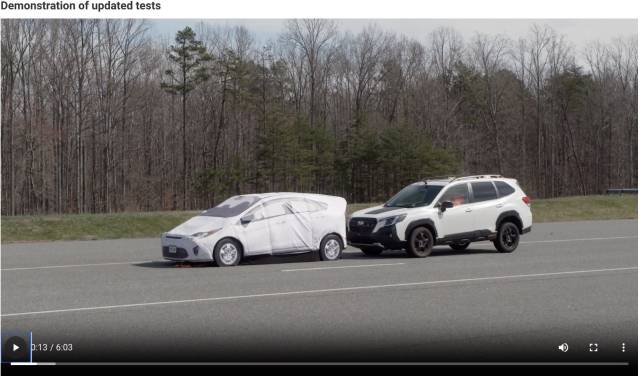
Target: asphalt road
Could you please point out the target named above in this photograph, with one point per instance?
(573, 282)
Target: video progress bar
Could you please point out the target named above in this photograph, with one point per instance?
(325, 363)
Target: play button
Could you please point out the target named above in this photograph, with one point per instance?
(15, 349)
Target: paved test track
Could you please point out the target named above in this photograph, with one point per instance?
(573, 282)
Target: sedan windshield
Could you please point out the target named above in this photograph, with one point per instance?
(414, 195)
(232, 206)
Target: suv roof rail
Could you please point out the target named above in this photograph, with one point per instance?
(442, 177)
(470, 177)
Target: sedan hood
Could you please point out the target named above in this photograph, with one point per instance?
(199, 224)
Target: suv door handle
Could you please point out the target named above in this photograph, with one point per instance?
(499, 205)
(468, 210)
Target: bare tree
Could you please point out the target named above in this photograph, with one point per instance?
(313, 37)
(87, 125)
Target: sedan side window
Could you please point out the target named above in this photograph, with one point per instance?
(257, 212)
(315, 206)
(458, 195)
(274, 209)
(483, 191)
(297, 206)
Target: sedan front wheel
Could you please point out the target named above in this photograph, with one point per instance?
(227, 253)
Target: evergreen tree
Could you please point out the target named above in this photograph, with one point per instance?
(189, 56)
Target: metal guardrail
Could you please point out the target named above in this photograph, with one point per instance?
(613, 191)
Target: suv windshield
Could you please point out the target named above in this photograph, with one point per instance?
(232, 206)
(414, 195)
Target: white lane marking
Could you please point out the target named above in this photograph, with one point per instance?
(285, 293)
(342, 267)
(75, 265)
(576, 240)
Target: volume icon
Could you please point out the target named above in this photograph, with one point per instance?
(564, 347)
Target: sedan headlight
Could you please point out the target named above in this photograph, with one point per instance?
(204, 234)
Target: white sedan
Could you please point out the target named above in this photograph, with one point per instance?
(256, 224)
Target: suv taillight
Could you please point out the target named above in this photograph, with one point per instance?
(526, 200)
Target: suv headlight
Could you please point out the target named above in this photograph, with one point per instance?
(204, 234)
(390, 221)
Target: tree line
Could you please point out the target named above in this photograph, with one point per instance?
(101, 116)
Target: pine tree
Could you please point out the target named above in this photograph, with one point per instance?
(190, 57)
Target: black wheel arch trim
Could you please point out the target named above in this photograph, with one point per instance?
(510, 214)
(428, 223)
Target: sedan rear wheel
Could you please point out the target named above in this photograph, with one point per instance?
(330, 248)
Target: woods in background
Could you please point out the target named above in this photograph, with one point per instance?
(99, 116)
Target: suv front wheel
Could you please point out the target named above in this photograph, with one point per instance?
(420, 242)
(508, 237)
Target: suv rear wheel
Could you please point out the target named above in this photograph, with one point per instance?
(508, 237)
(420, 242)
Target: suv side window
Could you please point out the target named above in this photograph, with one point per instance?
(458, 194)
(504, 189)
(483, 191)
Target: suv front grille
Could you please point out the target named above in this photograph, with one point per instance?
(362, 225)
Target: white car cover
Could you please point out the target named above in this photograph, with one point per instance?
(270, 223)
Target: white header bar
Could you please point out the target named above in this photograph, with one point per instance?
(212, 9)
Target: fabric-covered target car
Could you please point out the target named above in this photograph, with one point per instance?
(256, 224)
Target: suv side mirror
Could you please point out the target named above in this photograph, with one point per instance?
(246, 219)
(444, 205)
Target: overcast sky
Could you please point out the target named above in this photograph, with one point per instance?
(577, 31)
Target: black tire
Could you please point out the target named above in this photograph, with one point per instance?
(371, 251)
(330, 248)
(228, 252)
(508, 237)
(459, 246)
(420, 242)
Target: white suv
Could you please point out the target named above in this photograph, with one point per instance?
(453, 211)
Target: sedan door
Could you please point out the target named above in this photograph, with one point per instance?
(301, 225)
(457, 220)
(255, 235)
(282, 226)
